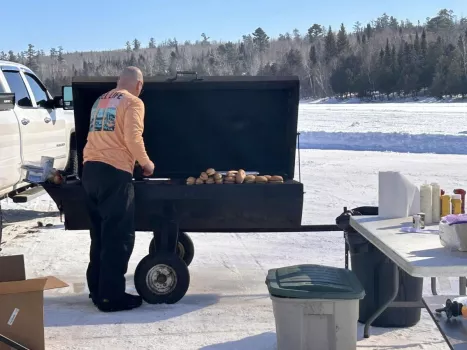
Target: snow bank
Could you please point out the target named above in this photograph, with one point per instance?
(354, 100)
(379, 141)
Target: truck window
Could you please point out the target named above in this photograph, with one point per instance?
(17, 86)
(39, 92)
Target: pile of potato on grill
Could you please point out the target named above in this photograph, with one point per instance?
(211, 176)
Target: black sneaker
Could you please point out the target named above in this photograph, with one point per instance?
(127, 302)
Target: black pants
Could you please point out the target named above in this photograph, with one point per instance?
(110, 204)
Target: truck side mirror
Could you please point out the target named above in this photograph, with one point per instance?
(67, 93)
(7, 101)
(58, 101)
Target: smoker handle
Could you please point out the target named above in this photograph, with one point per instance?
(184, 73)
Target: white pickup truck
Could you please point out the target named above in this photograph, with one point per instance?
(32, 124)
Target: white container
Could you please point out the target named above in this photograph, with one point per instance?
(315, 307)
(453, 237)
(426, 203)
(303, 324)
(436, 203)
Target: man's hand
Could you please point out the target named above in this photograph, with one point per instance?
(148, 169)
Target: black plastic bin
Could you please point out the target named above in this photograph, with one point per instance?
(375, 272)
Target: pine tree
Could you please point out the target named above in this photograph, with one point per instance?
(424, 45)
(416, 45)
(128, 47)
(260, 40)
(313, 57)
(12, 57)
(330, 46)
(314, 32)
(205, 41)
(136, 44)
(60, 57)
(342, 40)
(152, 43)
(368, 31)
(31, 58)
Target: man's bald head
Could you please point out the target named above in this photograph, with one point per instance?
(131, 79)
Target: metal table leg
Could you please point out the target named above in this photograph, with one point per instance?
(433, 286)
(382, 308)
(462, 285)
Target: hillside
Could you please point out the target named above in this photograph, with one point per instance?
(389, 56)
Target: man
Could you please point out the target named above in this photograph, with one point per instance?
(114, 144)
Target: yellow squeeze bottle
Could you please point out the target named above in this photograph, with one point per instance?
(445, 205)
(456, 204)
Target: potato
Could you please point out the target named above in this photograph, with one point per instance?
(190, 181)
(249, 179)
(261, 179)
(240, 176)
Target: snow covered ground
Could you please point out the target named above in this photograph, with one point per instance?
(227, 306)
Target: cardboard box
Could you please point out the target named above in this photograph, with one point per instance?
(22, 303)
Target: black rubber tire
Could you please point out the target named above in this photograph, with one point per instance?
(186, 251)
(177, 268)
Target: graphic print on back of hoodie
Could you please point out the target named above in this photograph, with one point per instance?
(104, 112)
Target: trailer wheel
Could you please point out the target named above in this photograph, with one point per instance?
(162, 279)
(185, 248)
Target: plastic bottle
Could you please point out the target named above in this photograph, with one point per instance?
(461, 191)
(436, 202)
(445, 205)
(426, 204)
(456, 201)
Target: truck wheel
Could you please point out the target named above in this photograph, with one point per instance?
(185, 248)
(162, 279)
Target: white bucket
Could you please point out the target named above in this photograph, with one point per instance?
(315, 324)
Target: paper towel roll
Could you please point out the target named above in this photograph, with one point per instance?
(397, 196)
(436, 203)
(426, 200)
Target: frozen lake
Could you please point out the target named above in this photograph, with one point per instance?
(405, 127)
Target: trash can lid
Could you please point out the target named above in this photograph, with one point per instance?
(314, 282)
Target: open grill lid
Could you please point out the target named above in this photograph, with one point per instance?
(207, 122)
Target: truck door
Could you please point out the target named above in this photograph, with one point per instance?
(10, 146)
(31, 121)
(52, 122)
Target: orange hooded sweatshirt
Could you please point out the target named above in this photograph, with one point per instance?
(115, 131)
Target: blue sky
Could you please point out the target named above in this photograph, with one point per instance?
(100, 25)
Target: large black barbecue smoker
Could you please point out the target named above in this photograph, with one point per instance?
(191, 124)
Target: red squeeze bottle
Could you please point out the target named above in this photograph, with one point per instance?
(462, 193)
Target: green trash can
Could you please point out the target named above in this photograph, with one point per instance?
(315, 307)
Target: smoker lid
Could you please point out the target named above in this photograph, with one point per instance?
(193, 124)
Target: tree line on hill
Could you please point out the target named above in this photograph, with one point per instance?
(386, 57)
